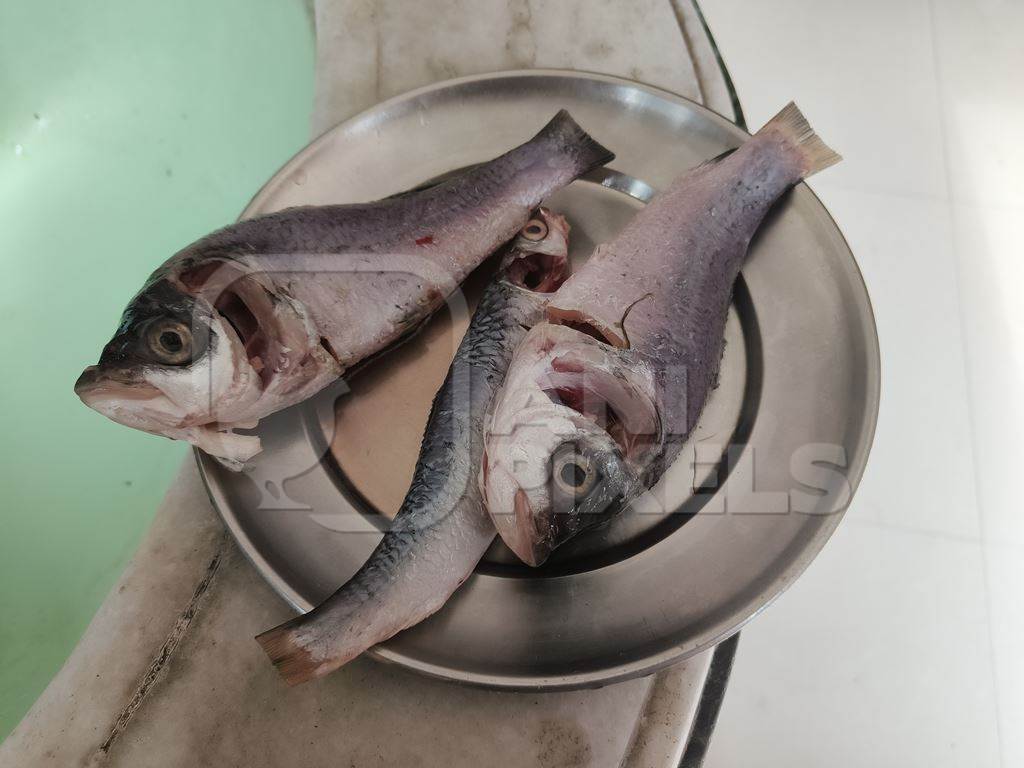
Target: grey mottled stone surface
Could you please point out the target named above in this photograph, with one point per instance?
(370, 50)
(168, 674)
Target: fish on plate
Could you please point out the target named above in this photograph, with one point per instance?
(600, 399)
(264, 313)
(441, 530)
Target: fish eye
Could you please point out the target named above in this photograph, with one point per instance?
(535, 230)
(573, 473)
(170, 342)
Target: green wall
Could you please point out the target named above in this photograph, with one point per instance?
(127, 129)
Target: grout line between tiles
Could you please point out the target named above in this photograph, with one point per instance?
(912, 531)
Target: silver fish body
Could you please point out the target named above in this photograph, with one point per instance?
(262, 314)
(601, 398)
(441, 530)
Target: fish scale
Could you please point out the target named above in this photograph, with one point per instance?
(264, 313)
(441, 530)
(643, 323)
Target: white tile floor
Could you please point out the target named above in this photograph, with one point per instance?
(902, 644)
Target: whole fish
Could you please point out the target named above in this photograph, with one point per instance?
(441, 530)
(264, 313)
(599, 400)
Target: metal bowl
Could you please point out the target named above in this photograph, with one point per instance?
(763, 483)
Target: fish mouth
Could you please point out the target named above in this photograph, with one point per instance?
(132, 403)
(526, 548)
(88, 382)
(96, 384)
(140, 405)
(521, 529)
(584, 488)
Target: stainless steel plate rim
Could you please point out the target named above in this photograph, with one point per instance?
(632, 99)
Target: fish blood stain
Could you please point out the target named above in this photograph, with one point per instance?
(425, 240)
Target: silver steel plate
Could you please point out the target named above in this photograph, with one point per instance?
(779, 450)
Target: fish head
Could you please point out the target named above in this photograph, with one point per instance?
(538, 257)
(170, 366)
(201, 352)
(567, 439)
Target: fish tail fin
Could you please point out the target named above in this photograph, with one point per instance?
(292, 657)
(791, 123)
(569, 137)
